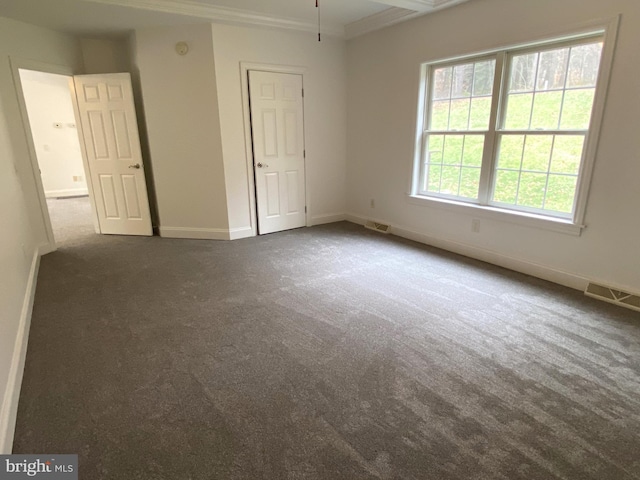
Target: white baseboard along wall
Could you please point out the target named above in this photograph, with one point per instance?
(540, 271)
(9, 406)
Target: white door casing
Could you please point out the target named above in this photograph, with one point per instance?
(110, 134)
(277, 121)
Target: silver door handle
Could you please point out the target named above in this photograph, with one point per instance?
(261, 165)
(135, 165)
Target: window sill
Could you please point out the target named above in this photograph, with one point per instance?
(499, 214)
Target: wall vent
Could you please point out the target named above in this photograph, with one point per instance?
(611, 295)
(378, 227)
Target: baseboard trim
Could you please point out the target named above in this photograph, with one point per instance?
(70, 192)
(195, 233)
(328, 218)
(239, 233)
(529, 268)
(206, 233)
(9, 410)
(47, 248)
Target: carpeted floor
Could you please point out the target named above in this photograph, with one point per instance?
(71, 221)
(324, 353)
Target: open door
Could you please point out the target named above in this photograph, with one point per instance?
(278, 150)
(110, 133)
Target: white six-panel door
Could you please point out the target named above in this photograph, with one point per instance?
(110, 131)
(278, 150)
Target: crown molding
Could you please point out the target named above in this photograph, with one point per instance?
(386, 18)
(217, 14)
(416, 5)
(394, 15)
(223, 14)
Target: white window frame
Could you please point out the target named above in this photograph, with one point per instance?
(483, 207)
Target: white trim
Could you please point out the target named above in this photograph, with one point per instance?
(328, 218)
(220, 14)
(46, 248)
(195, 233)
(422, 5)
(238, 233)
(525, 219)
(597, 115)
(206, 233)
(9, 406)
(69, 192)
(402, 10)
(245, 67)
(489, 256)
(411, 4)
(377, 21)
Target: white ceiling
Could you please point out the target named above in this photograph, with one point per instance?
(335, 12)
(117, 17)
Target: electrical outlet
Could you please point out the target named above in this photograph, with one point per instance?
(475, 225)
(77, 178)
(372, 203)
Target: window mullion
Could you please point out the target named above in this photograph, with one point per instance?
(424, 159)
(488, 154)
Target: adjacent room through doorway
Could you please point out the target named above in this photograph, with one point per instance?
(54, 132)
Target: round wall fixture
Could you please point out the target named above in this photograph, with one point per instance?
(182, 48)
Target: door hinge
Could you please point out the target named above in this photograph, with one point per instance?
(304, 154)
(305, 209)
(303, 93)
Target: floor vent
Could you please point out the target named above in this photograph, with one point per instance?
(378, 227)
(611, 295)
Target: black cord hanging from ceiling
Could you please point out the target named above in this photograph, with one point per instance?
(318, 7)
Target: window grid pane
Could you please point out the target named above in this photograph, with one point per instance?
(561, 97)
(461, 97)
(539, 132)
(453, 163)
(547, 176)
(560, 100)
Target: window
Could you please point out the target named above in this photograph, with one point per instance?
(509, 130)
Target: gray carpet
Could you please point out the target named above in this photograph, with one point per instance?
(71, 220)
(323, 353)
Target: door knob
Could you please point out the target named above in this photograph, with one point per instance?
(261, 165)
(135, 165)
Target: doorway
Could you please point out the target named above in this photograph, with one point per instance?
(52, 123)
(277, 127)
(107, 132)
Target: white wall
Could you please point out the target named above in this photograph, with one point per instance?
(16, 258)
(22, 227)
(102, 55)
(195, 122)
(183, 129)
(133, 68)
(382, 106)
(48, 101)
(325, 113)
